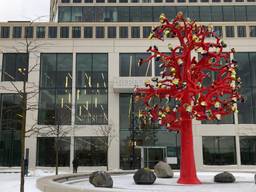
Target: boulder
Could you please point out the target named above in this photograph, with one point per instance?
(163, 170)
(101, 179)
(224, 177)
(144, 176)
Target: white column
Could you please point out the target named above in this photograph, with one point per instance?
(72, 139)
(113, 112)
(33, 79)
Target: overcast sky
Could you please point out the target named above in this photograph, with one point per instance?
(23, 9)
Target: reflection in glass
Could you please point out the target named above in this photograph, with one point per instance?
(91, 151)
(128, 63)
(10, 115)
(15, 66)
(219, 150)
(248, 150)
(46, 152)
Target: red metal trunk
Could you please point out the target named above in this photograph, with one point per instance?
(187, 163)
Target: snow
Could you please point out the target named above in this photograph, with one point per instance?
(244, 181)
(9, 182)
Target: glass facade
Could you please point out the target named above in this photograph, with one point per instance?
(91, 88)
(247, 72)
(248, 150)
(143, 134)
(219, 150)
(52, 32)
(15, 67)
(91, 151)
(46, 151)
(55, 88)
(128, 65)
(151, 13)
(10, 126)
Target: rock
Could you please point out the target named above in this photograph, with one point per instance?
(101, 179)
(163, 170)
(144, 176)
(224, 177)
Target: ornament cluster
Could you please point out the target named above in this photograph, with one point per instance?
(198, 77)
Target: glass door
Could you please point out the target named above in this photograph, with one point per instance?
(152, 155)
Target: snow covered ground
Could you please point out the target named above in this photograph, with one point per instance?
(244, 182)
(9, 182)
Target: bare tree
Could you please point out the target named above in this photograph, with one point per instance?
(59, 131)
(27, 91)
(107, 135)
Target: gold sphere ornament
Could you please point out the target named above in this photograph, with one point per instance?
(180, 15)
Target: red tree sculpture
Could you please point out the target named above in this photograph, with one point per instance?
(189, 88)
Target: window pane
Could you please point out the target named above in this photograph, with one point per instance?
(146, 31)
(100, 32)
(111, 32)
(76, 14)
(99, 106)
(29, 31)
(76, 32)
(135, 32)
(251, 13)
(84, 70)
(240, 13)
(15, 66)
(241, 31)
(219, 150)
(64, 32)
(46, 149)
(123, 32)
(228, 13)
(88, 14)
(48, 70)
(88, 32)
(123, 14)
(99, 14)
(147, 14)
(193, 12)
(157, 11)
(110, 14)
(92, 84)
(63, 107)
(10, 106)
(40, 32)
(135, 14)
(248, 150)
(64, 14)
(217, 13)
(52, 32)
(218, 30)
(47, 105)
(230, 31)
(5, 32)
(64, 70)
(128, 63)
(91, 151)
(16, 32)
(252, 30)
(205, 14)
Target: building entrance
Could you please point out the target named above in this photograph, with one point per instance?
(151, 155)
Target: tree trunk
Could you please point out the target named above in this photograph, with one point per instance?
(56, 156)
(22, 137)
(187, 163)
